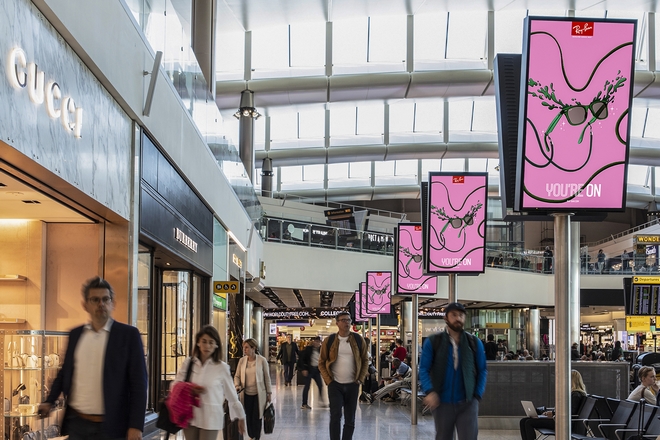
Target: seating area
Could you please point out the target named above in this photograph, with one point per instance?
(612, 419)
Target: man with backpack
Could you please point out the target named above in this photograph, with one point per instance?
(343, 364)
(453, 373)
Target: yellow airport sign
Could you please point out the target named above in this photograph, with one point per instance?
(638, 324)
(225, 286)
(646, 280)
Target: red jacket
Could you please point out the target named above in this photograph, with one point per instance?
(180, 402)
(400, 353)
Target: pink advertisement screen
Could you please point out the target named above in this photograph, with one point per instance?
(379, 289)
(577, 83)
(456, 212)
(363, 303)
(358, 308)
(409, 264)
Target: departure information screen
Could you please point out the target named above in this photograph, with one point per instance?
(642, 295)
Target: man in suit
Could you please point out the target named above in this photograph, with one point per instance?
(288, 355)
(104, 376)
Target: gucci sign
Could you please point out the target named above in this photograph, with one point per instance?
(26, 75)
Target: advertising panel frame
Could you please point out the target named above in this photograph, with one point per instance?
(407, 236)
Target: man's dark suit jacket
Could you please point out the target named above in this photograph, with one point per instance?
(124, 379)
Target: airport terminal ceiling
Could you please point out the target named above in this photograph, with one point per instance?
(361, 109)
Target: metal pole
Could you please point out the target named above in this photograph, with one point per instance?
(415, 356)
(574, 292)
(562, 327)
(452, 288)
(378, 348)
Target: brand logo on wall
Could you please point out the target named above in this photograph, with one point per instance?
(182, 238)
(26, 75)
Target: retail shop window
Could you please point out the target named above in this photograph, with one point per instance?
(176, 322)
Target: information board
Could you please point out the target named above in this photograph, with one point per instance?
(642, 295)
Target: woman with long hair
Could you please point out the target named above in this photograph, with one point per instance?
(547, 420)
(253, 378)
(213, 384)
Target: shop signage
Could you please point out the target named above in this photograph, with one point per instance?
(225, 286)
(431, 313)
(219, 302)
(237, 261)
(498, 325)
(302, 313)
(26, 75)
(182, 238)
(574, 121)
(647, 238)
(272, 329)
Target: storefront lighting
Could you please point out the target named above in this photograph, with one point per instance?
(11, 277)
(238, 243)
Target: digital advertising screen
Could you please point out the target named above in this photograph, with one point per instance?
(379, 289)
(642, 295)
(409, 265)
(574, 122)
(456, 212)
(366, 314)
(358, 308)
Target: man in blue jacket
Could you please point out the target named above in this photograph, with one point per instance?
(104, 377)
(453, 373)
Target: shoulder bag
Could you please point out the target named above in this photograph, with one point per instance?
(164, 421)
(269, 418)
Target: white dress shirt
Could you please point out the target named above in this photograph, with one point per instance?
(87, 383)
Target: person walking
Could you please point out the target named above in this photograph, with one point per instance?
(104, 377)
(288, 355)
(491, 348)
(547, 260)
(343, 364)
(453, 373)
(253, 378)
(308, 365)
(213, 384)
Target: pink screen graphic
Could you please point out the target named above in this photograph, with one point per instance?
(379, 288)
(363, 303)
(410, 269)
(457, 222)
(358, 308)
(578, 85)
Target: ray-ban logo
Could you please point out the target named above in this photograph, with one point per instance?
(582, 29)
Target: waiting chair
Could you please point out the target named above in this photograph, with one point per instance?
(619, 419)
(639, 422)
(586, 411)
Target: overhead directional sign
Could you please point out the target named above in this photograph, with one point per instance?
(225, 286)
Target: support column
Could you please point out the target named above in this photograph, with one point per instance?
(574, 292)
(247, 316)
(562, 327)
(235, 328)
(451, 290)
(203, 38)
(407, 316)
(534, 332)
(258, 332)
(415, 355)
(246, 115)
(378, 367)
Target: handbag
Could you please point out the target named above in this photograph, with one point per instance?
(164, 421)
(269, 419)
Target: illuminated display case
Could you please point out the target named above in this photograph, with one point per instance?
(30, 361)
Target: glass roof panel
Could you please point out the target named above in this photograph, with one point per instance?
(638, 121)
(652, 128)
(484, 115)
(460, 116)
(359, 169)
(308, 44)
(284, 125)
(387, 40)
(259, 133)
(342, 120)
(406, 167)
(230, 55)
(642, 45)
(477, 165)
(466, 38)
(312, 123)
(270, 49)
(291, 174)
(370, 118)
(428, 116)
(384, 169)
(429, 165)
(453, 165)
(430, 37)
(401, 116)
(313, 172)
(337, 171)
(637, 174)
(509, 30)
(349, 39)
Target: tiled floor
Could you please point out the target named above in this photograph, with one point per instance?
(378, 421)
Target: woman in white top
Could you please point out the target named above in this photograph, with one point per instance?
(252, 376)
(648, 388)
(213, 384)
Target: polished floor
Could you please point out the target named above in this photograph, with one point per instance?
(378, 421)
